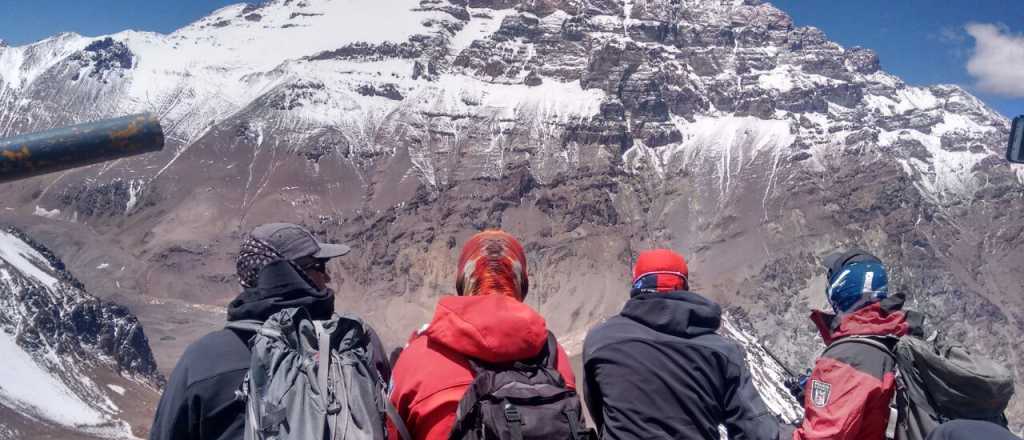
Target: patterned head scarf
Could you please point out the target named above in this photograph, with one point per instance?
(252, 258)
(492, 262)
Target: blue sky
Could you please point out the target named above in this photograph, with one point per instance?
(922, 41)
(25, 21)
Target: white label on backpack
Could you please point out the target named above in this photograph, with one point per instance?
(820, 392)
(869, 277)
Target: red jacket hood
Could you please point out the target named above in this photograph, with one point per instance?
(491, 328)
(873, 320)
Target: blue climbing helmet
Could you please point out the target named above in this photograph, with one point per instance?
(855, 279)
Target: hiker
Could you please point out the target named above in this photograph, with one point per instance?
(471, 337)
(971, 430)
(280, 266)
(848, 393)
(659, 370)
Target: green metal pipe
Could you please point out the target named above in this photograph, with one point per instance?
(63, 148)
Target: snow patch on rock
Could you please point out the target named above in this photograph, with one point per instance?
(733, 142)
(21, 257)
(47, 213)
(484, 23)
(26, 385)
(117, 389)
(946, 174)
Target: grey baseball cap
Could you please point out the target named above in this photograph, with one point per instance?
(293, 242)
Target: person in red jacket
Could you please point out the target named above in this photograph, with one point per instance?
(486, 321)
(848, 394)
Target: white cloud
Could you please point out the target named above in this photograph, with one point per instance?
(997, 61)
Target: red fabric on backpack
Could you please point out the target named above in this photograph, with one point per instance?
(857, 406)
(853, 392)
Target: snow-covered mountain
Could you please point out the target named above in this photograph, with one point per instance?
(768, 374)
(74, 366)
(589, 128)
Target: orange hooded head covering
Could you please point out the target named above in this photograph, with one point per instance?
(492, 263)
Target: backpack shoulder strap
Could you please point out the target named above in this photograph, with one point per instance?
(323, 356)
(467, 407)
(246, 325)
(248, 329)
(548, 357)
(552, 351)
(252, 326)
(396, 419)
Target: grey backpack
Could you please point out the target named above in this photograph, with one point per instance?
(938, 382)
(941, 382)
(294, 392)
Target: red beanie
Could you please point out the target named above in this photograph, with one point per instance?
(492, 262)
(661, 270)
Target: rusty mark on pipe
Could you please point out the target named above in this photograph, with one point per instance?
(129, 131)
(17, 155)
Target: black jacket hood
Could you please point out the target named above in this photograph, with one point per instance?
(281, 286)
(677, 313)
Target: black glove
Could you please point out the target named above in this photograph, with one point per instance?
(797, 385)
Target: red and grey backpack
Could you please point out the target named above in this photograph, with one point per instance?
(938, 382)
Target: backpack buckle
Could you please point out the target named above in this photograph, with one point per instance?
(512, 414)
(242, 393)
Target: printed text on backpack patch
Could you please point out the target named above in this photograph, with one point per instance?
(820, 392)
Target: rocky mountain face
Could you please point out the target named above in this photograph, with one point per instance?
(74, 366)
(589, 128)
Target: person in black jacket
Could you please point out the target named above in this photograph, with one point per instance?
(280, 266)
(658, 370)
